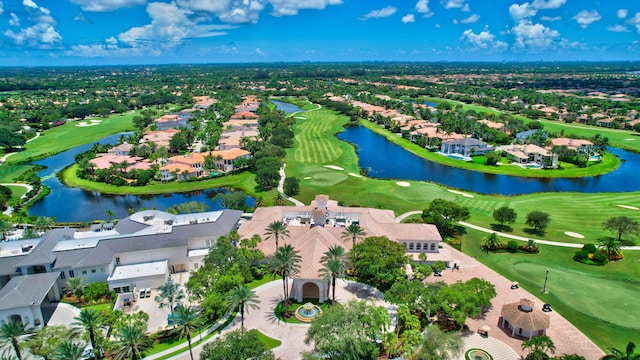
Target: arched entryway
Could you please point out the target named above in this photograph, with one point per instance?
(310, 291)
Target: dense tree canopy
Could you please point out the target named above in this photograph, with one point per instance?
(378, 261)
(349, 331)
(445, 214)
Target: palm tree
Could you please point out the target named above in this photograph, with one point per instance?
(131, 342)
(611, 246)
(285, 264)
(89, 321)
(187, 320)
(170, 295)
(629, 354)
(5, 226)
(68, 350)
(279, 200)
(10, 333)
(276, 230)
(43, 223)
(77, 285)
(333, 269)
(538, 347)
(353, 232)
(242, 297)
(491, 242)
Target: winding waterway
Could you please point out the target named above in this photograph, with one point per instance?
(383, 159)
(74, 204)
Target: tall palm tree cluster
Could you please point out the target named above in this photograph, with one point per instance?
(129, 340)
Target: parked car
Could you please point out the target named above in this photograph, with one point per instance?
(546, 307)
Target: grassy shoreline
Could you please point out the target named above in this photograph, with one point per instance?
(608, 164)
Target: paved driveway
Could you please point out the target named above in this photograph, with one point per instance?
(59, 314)
(566, 337)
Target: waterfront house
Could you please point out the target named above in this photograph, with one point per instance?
(465, 147)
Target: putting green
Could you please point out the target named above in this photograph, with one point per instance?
(596, 296)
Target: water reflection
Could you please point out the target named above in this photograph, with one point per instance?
(74, 204)
(384, 159)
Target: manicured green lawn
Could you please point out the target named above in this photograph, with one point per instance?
(265, 279)
(102, 308)
(600, 300)
(8, 173)
(608, 164)
(585, 306)
(625, 139)
(57, 139)
(270, 343)
(17, 191)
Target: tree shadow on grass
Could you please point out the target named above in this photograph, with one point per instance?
(531, 231)
(501, 228)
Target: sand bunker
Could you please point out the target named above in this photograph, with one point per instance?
(301, 118)
(307, 178)
(355, 175)
(334, 167)
(573, 234)
(403, 183)
(84, 124)
(629, 207)
(628, 139)
(461, 193)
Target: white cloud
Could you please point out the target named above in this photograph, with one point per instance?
(453, 4)
(248, 11)
(535, 36)
(585, 18)
(409, 18)
(1, 7)
(635, 21)
(258, 51)
(41, 32)
(485, 40)
(523, 11)
(622, 13)
(422, 6)
(549, 4)
(550, 19)
(15, 20)
(466, 8)
(81, 18)
(471, 19)
(41, 36)
(291, 7)
(169, 26)
(106, 5)
(618, 28)
(377, 14)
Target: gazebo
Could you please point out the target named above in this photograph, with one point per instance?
(523, 319)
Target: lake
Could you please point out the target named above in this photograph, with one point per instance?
(286, 107)
(74, 204)
(383, 159)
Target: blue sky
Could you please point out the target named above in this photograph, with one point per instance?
(106, 32)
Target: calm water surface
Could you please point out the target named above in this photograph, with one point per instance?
(73, 204)
(386, 160)
(286, 107)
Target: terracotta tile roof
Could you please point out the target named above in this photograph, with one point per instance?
(179, 167)
(230, 154)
